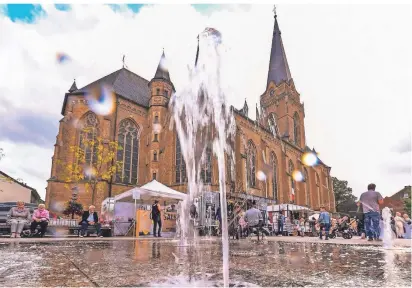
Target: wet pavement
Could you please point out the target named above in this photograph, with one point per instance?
(149, 262)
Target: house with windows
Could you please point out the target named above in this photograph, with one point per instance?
(13, 190)
(397, 200)
(140, 124)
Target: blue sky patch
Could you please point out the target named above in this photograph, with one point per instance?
(134, 7)
(29, 12)
(23, 12)
(62, 7)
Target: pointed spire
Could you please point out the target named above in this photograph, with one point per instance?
(257, 113)
(73, 87)
(162, 72)
(245, 109)
(197, 52)
(278, 66)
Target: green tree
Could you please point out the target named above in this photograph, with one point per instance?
(72, 208)
(345, 201)
(93, 174)
(407, 203)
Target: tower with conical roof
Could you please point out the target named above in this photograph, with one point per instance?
(281, 100)
(161, 89)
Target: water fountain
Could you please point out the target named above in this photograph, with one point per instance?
(202, 120)
(387, 230)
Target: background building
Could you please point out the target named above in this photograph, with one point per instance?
(156, 153)
(397, 200)
(12, 190)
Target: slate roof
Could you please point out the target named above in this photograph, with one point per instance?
(73, 87)
(33, 191)
(278, 66)
(162, 72)
(125, 83)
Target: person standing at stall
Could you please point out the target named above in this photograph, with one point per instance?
(157, 218)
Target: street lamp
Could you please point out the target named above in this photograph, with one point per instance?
(75, 192)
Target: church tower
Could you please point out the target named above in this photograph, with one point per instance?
(281, 101)
(161, 89)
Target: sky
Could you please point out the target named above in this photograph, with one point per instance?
(350, 63)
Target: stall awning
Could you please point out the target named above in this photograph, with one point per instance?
(289, 207)
(152, 191)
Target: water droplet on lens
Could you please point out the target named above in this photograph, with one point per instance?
(101, 100)
(297, 176)
(157, 128)
(260, 176)
(62, 58)
(310, 159)
(89, 172)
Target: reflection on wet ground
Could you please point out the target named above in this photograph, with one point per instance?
(164, 263)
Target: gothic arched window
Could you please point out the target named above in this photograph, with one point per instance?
(88, 138)
(251, 164)
(273, 124)
(291, 169)
(296, 129)
(274, 164)
(326, 180)
(307, 186)
(206, 169)
(318, 188)
(180, 163)
(128, 138)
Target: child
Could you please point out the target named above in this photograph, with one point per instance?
(302, 227)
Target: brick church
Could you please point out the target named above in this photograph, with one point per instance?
(156, 154)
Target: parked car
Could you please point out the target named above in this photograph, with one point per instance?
(4, 210)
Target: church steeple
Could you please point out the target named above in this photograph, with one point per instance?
(278, 66)
(73, 87)
(197, 51)
(162, 71)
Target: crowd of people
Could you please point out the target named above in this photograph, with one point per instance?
(243, 223)
(366, 224)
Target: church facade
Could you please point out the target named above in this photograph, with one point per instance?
(156, 153)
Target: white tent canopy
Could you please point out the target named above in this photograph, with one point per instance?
(287, 207)
(151, 191)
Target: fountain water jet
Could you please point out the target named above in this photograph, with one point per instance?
(203, 120)
(387, 231)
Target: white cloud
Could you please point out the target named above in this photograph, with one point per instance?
(350, 64)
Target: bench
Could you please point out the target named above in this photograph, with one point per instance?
(75, 230)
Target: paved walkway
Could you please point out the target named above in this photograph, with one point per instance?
(292, 239)
(354, 241)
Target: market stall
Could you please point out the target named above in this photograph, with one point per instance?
(292, 212)
(131, 209)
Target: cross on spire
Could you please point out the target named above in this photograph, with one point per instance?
(274, 10)
(124, 62)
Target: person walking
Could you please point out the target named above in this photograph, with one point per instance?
(324, 223)
(370, 201)
(281, 223)
(157, 218)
